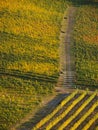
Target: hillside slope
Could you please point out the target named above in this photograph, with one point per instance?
(85, 44)
(29, 65)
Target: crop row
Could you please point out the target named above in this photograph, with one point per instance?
(60, 117)
(87, 126)
(85, 116)
(51, 123)
(29, 76)
(48, 117)
(77, 112)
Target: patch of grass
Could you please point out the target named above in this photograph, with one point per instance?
(30, 33)
(85, 47)
(29, 41)
(18, 97)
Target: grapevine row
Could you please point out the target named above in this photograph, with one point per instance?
(60, 117)
(84, 117)
(48, 117)
(77, 112)
(87, 126)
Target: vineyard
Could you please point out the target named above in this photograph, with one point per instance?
(29, 58)
(85, 45)
(30, 63)
(78, 111)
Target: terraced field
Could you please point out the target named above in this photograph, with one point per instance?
(78, 111)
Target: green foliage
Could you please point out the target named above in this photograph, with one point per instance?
(29, 41)
(18, 97)
(85, 45)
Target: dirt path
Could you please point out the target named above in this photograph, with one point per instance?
(67, 77)
(69, 73)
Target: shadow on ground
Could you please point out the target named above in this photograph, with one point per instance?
(48, 108)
